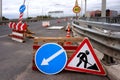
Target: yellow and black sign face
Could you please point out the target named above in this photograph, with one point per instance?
(76, 9)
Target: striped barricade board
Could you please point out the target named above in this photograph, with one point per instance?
(17, 35)
(46, 23)
(18, 26)
(18, 31)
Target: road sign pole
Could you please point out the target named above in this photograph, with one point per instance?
(76, 16)
(24, 2)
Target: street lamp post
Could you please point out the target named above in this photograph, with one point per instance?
(81, 8)
(103, 8)
(28, 10)
(85, 7)
(0, 10)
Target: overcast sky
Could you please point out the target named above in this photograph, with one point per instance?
(41, 7)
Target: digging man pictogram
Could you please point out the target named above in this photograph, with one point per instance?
(83, 58)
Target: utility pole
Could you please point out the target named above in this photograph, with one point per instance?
(103, 8)
(81, 8)
(0, 10)
(28, 10)
(85, 7)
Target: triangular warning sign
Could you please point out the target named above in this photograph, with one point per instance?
(85, 60)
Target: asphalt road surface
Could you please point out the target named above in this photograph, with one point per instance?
(16, 58)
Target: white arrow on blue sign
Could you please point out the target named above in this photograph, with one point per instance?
(22, 8)
(50, 58)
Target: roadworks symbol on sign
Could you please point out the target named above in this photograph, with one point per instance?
(85, 60)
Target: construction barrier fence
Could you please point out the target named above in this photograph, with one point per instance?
(38, 41)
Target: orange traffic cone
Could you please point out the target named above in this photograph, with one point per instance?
(68, 30)
(68, 34)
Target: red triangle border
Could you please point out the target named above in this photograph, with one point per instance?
(101, 69)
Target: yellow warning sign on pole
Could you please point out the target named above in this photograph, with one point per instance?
(76, 9)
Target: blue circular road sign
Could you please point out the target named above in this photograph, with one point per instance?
(50, 58)
(22, 8)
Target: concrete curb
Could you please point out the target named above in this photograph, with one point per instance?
(112, 71)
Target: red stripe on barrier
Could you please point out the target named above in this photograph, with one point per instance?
(33, 65)
(14, 26)
(65, 47)
(70, 47)
(18, 31)
(34, 68)
(23, 27)
(18, 37)
(36, 47)
(10, 24)
(19, 26)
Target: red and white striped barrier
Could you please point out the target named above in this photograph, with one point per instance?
(19, 26)
(45, 23)
(18, 31)
(18, 36)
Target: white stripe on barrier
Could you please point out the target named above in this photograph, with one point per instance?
(16, 39)
(13, 24)
(18, 25)
(21, 28)
(17, 34)
(45, 23)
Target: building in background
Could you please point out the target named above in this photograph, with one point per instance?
(97, 13)
(111, 13)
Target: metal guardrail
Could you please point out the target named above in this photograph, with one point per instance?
(105, 37)
(103, 25)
